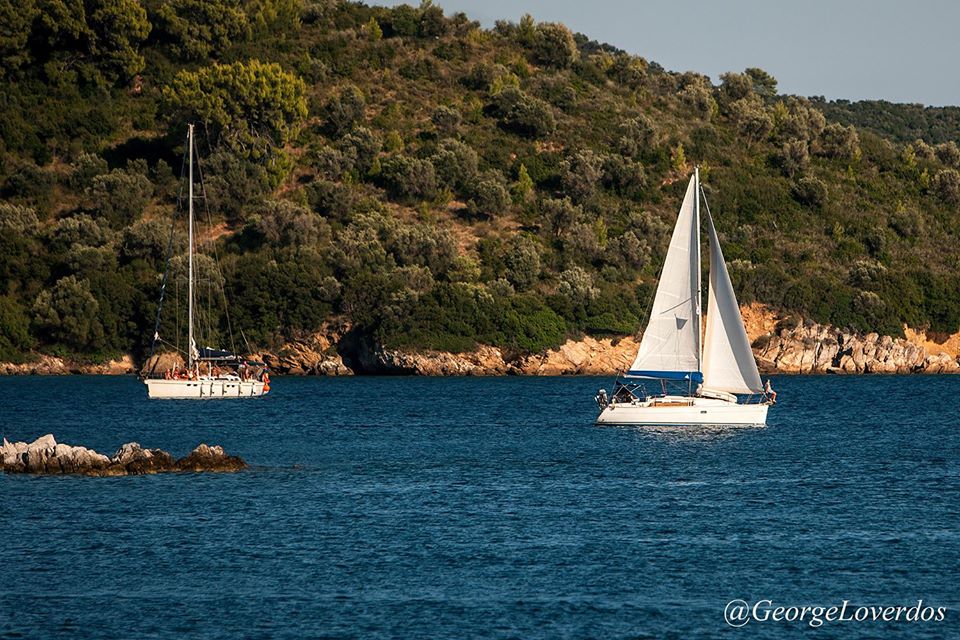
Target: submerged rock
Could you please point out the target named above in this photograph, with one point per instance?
(46, 456)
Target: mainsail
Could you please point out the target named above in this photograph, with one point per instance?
(728, 363)
(670, 347)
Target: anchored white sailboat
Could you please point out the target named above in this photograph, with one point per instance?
(698, 380)
(207, 372)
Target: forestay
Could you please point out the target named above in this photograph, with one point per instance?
(728, 363)
(671, 342)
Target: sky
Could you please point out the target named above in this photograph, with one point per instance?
(896, 50)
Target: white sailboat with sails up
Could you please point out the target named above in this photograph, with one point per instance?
(699, 376)
(207, 372)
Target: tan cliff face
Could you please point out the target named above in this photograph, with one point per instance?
(778, 347)
(814, 348)
(45, 365)
(779, 344)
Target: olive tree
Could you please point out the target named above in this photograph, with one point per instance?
(581, 174)
(576, 285)
(490, 195)
(838, 141)
(554, 46)
(522, 261)
(946, 184)
(343, 111)
(407, 177)
(794, 157)
(949, 154)
(68, 313)
(522, 114)
(810, 191)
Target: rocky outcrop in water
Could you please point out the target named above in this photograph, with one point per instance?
(46, 456)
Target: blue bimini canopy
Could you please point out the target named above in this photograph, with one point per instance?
(694, 376)
(208, 353)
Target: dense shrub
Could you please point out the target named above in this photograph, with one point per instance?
(456, 165)
(490, 196)
(361, 148)
(446, 120)
(343, 111)
(946, 184)
(199, 29)
(637, 136)
(330, 199)
(423, 245)
(145, 240)
(581, 174)
(406, 177)
(68, 314)
(522, 114)
(838, 141)
(553, 45)
(18, 219)
(522, 261)
(233, 183)
(794, 157)
(120, 196)
(282, 223)
(559, 214)
(949, 154)
(576, 285)
(810, 191)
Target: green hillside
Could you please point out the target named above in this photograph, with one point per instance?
(434, 183)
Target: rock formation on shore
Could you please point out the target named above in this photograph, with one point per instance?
(46, 365)
(782, 344)
(46, 456)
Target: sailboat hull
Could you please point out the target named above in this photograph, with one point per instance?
(205, 388)
(683, 411)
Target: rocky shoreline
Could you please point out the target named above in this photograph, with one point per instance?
(782, 345)
(45, 456)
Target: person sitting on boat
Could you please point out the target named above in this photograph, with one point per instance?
(769, 392)
(623, 394)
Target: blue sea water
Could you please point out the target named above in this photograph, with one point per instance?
(467, 508)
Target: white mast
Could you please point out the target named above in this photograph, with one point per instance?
(696, 261)
(190, 346)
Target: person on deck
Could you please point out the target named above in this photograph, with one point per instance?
(769, 392)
